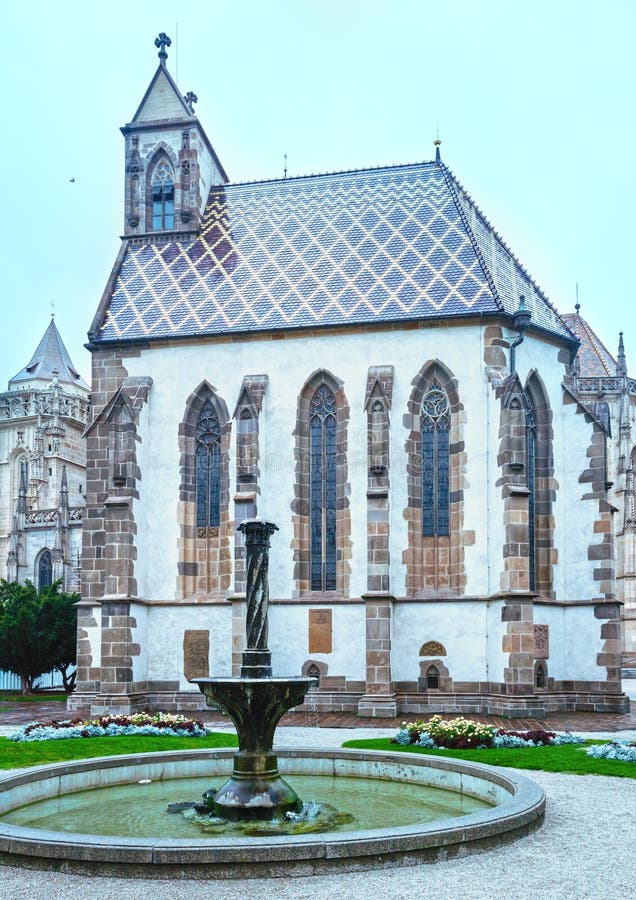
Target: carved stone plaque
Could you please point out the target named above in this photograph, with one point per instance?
(541, 642)
(196, 654)
(320, 640)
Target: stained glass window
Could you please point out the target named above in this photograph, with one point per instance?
(322, 489)
(531, 464)
(163, 197)
(208, 467)
(45, 569)
(435, 425)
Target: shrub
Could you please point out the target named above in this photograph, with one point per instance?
(111, 726)
(621, 750)
(464, 734)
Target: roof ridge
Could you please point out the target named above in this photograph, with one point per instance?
(509, 250)
(448, 178)
(412, 165)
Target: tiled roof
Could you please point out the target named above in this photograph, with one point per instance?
(594, 357)
(372, 246)
(51, 356)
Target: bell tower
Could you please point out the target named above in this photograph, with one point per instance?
(170, 162)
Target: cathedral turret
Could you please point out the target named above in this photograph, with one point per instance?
(50, 362)
(170, 162)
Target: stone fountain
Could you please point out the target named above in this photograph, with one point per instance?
(255, 702)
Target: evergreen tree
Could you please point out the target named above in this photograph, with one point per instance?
(37, 632)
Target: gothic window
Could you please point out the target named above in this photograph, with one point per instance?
(435, 427)
(531, 460)
(322, 500)
(163, 197)
(45, 569)
(208, 467)
(540, 676)
(432, 678)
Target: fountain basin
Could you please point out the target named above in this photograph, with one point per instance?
(520, 805)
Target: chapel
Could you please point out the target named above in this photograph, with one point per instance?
(359, 358)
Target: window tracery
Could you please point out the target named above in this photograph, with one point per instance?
(435, 430)
(45, 569)
(163, 197)
(208, 467)
(322, 501)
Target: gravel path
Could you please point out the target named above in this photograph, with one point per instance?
(584, 850)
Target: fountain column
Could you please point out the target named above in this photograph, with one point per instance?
(255, 702)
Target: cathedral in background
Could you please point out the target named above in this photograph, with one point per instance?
(43, 414)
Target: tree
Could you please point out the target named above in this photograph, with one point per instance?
(37, 631)
(59, 625)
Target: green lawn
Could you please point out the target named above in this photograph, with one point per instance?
(567, 758)
(36, 753)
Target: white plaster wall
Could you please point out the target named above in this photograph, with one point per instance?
(497, 660)
(166, 627)
(139, 636)
(575, 640)
(176, 372)
(460, 625)
(94, 635)
(574, 573)
(289, 639)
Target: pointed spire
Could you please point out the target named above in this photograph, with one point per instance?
(21, 506)
(50, 360)
(161, 42)
(621, 364)
(437, 144)
(64, 490)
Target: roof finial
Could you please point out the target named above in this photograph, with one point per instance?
(285, 169)
(52, 309)
(437, 144)
(577, 305)
(161, 43)
(621, 362)
(190, 99)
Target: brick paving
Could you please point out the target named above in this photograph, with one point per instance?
(21, 713)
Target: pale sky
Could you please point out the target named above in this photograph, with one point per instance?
(534, 104)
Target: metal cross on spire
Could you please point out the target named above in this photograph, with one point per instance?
(161, 43)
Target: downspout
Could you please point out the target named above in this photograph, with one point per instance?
(520, 321)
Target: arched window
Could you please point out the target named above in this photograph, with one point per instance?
(208, 467)
(322, 497)
(313, 672)
(45, 569)
(540, 676)
(435, 424)
(432, 678)
(163, 197)
(531, 459)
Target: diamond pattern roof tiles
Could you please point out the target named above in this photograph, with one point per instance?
(391, 244)
(594, 357)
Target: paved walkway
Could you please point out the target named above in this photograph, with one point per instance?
(21, 713)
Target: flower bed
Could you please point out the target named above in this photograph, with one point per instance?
(159, 724)
(621, 750)
(464, 734)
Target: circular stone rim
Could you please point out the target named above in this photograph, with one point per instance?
(295, 855)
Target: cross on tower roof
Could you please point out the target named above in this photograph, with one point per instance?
(161, 43)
